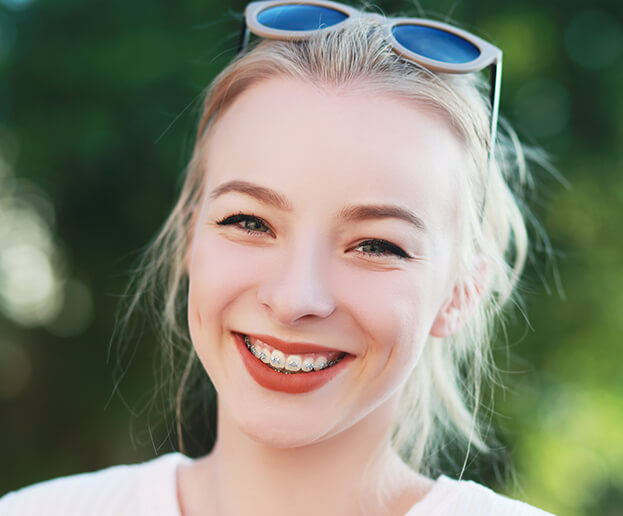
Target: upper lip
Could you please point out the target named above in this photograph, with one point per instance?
(292, 347)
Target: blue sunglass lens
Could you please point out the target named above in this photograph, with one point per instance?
(300, 17)
(436, 44)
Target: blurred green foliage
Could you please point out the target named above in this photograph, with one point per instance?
(98, 102)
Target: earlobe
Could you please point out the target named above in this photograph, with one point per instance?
(461, 305)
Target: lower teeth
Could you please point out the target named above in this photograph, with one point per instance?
(285, 371)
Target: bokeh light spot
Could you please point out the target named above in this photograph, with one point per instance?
(528, 40)
(594, 39)
(31, 264)
(28, 286)
(17, 4)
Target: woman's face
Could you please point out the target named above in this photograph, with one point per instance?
(328, 222)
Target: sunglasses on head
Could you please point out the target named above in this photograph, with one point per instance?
(436, 46)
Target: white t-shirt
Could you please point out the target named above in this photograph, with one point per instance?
(150, 489)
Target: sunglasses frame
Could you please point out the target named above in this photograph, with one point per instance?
(490, 55)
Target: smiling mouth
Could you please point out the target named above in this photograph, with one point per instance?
(303, 363)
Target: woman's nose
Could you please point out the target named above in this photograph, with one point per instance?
(298, 287)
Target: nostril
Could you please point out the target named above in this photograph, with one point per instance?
(299, 284)
(289, 303)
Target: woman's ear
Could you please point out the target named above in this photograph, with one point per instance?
(460, 306)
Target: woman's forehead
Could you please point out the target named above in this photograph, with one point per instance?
(292, 134)
(289, 105)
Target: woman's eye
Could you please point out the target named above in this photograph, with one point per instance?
(381, 248)
(249, 223)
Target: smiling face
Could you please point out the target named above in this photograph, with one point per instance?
(328, 218)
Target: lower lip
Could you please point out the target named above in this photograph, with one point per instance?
(290, 383)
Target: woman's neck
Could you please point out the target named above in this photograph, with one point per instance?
(353, 473)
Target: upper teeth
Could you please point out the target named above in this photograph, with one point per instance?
(288, 364)
(277, 359)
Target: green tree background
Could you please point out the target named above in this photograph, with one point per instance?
(98, 103)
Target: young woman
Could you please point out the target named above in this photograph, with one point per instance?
(342, 243)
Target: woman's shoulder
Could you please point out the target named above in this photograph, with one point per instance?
(462, 498)
(135, 489)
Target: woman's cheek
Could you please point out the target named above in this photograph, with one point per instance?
(219, 271)
(389, 306)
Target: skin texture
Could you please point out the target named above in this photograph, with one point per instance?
(305, 274)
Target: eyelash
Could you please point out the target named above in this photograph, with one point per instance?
(387, 246)
(242, 217)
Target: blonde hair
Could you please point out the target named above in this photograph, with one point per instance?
(442, 397)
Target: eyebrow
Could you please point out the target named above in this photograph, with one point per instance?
(261, 193)
(349, 213)
(381, 211)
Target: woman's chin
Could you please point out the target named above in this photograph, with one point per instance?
(282, 440)
(279, 432)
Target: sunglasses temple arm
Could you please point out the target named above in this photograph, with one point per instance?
(494, 92)
(243, 40)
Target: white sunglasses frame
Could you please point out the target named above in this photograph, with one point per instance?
(489, 54)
